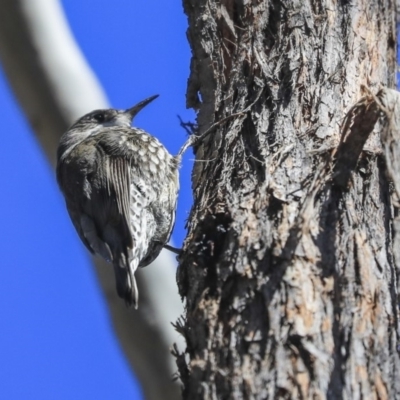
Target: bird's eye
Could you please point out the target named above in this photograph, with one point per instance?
(99, 117)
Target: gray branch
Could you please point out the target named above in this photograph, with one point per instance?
(54, 86)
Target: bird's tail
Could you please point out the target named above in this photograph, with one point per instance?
(126, 283)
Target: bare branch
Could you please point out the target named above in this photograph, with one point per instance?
(54, 86)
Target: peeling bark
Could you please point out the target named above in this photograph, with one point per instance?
(288, 269)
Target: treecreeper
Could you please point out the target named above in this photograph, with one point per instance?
(120, 186)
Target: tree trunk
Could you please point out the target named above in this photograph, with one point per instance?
(288, 269)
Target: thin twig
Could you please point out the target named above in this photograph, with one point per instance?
(189, 127)
(193, 139)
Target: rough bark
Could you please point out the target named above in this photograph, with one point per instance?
(54, 86)
(388, 102)
(288, 270)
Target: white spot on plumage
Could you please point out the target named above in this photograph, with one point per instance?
(152, 167)
(133, 147)
(161, 154)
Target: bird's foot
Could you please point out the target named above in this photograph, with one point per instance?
(173, 249)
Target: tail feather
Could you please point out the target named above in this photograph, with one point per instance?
(126, 285)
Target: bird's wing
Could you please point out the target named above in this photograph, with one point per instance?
(156, 177)
(110, 200)
(75, 218)
(72, 178)
(121, 199)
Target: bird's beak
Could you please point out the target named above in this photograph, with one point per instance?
(133, 111)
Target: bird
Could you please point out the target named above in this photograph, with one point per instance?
(120, 186)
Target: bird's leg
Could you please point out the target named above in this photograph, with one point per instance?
(197, 139)
(194, 139)
(173, 249)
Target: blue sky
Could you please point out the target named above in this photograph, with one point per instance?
(56, 341)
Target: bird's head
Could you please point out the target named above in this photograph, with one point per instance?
(94, 122)
(111, 117)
